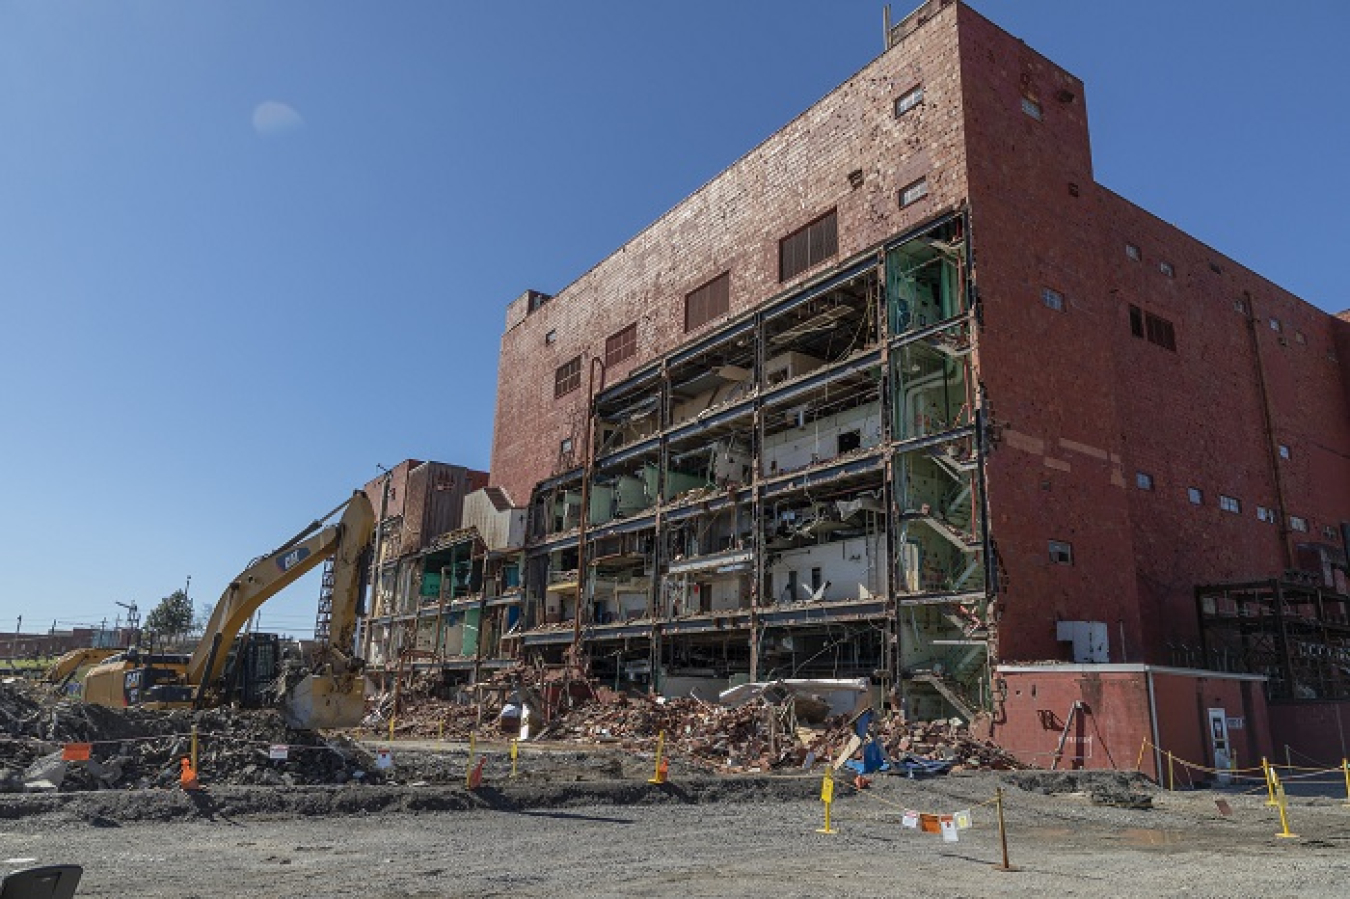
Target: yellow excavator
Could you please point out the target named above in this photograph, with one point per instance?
(68, 665)
(323, 688)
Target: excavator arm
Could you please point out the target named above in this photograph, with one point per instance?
(266, 577)
(65, 667)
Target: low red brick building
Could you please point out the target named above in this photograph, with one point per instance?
(904, 394)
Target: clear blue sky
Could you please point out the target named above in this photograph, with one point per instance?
(249, 250)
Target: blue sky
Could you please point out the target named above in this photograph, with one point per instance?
(249, 251)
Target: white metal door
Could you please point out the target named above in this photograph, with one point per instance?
(1218, 735)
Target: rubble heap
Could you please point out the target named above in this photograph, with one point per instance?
(763, 735)
(141, 747)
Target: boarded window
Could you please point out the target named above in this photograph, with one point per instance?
(622, 345)
(567, 378)
(808, 247)
(1154, 328)
(1160, 331)
(707, 302)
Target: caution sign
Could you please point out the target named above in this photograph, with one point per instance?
(384, 759)
(949, 833)
(827, 789)
(278, 752)
(963, 819)
(76, 752)
(910, 820)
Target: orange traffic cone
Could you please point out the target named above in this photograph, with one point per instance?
(188, 779)
(476, 776)
(662, 770)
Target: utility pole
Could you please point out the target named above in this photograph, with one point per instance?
(133, 622)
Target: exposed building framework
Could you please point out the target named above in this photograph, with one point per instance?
(798, 493)
(1295, 633)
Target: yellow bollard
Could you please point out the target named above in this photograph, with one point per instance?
(659, 775)
(1139, 762)
(440, 730)
(1171, 774)
(473, 750)
(1270, 783)
(391, 728)
(827, 797)
(515, 752)
(1284, 810)
(1345, 767)
(194, 748)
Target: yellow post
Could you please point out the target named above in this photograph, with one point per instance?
(659, 775)
(1284, 810)
(1270, 782)
(473, 750)
(194, 748)
(440, 730)
(391, 728)
(827, 797)
(515, 752)
(1139, 762)
(1171, 773)
(1345, 767)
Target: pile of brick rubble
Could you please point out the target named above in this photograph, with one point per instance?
(138, 748)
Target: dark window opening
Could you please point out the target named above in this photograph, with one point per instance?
(708, 302)
(1061, 553)
(809, 246)
(849, 441)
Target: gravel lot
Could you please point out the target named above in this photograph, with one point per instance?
(714, 837)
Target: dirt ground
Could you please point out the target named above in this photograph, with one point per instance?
(579, 824)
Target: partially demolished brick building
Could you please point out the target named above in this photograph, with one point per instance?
(904, 394)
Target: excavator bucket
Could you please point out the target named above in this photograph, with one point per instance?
(324, 701)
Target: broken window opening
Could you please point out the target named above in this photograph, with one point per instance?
(932, 390)
(923, 279)
(823, 330)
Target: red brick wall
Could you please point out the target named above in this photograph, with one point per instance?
(1312, 730)
(1117, 720)
(1081, 405)
(734, 223)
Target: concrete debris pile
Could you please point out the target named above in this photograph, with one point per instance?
(942, 741)
(769, 733)
(139, 748)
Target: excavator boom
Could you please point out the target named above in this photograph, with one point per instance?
(329, 694)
